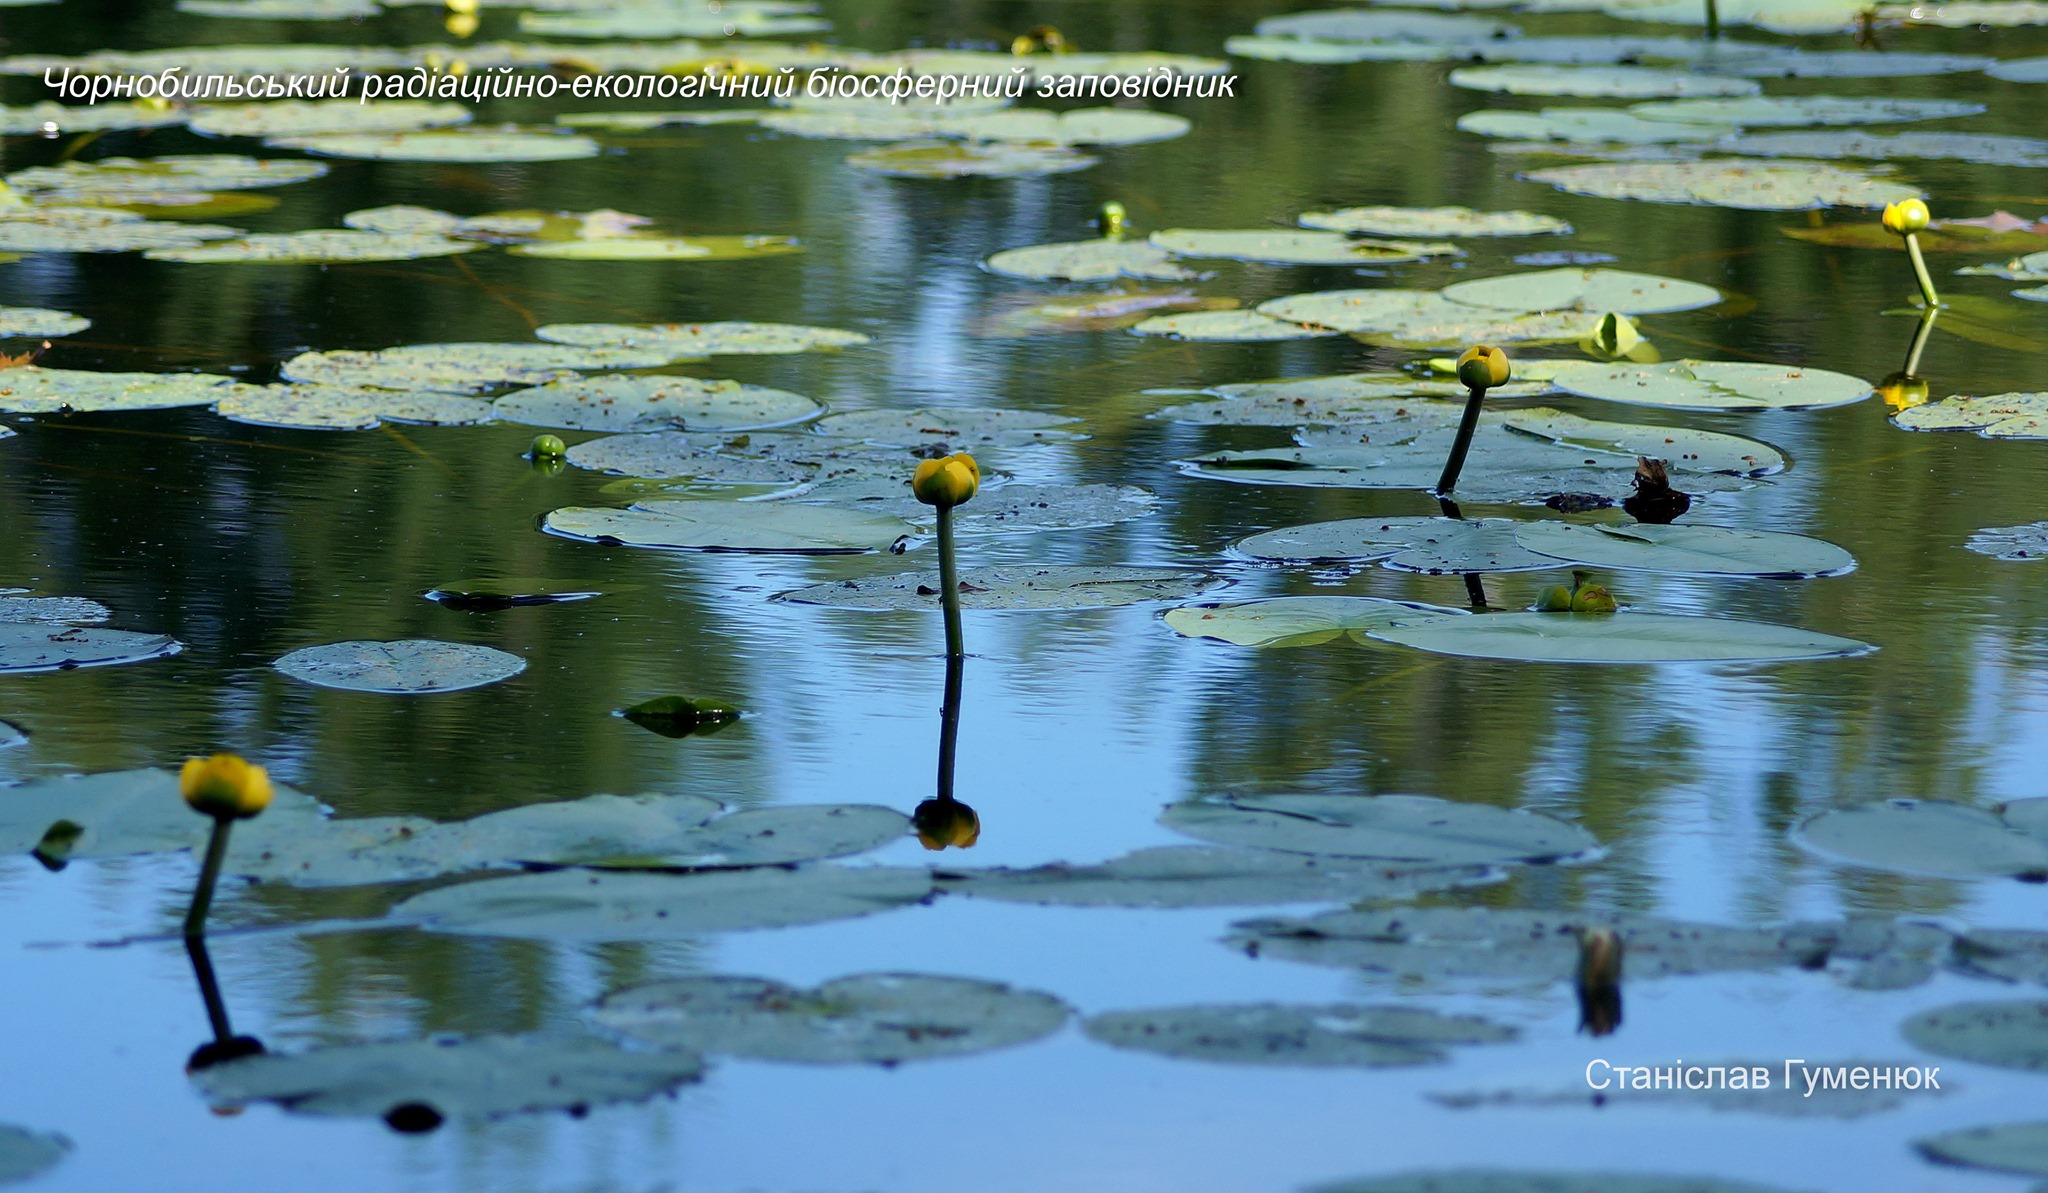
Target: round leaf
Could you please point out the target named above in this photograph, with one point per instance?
(2005, 1035)
(29, 646)
(1687, 550)
(653, 403)
(1296, 621)
(1926, 837)
(703, 339)
(1339, 1035)
(1713, 385)
(1294, 248)
(1433, 221)
(1619, 638)
(1596, 290)
(404, 667)
(1012, 588)
(1090, 261)
(1210, 876)
(756, 526)
(1413, 829)
(2008, 1147)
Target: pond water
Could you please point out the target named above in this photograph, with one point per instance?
(1076, 727)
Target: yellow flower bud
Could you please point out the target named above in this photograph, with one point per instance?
(941, 823)
(460, 24)
(1112, 220)
(225, 786)
(1483, 367)
(946, 482)
(1592, 598)
(1905, 216)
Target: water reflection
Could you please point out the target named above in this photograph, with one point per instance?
(1599, 981)
(944, 822)
(225, 1044)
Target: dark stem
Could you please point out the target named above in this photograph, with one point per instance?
(1713, 19)
(1474, 591)
(1448, 482)
(209, 874)
(1920, 335)
(949, 723)
(209, 989)
(949, 584)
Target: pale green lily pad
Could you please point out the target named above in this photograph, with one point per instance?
(966, 426)
(1591, 442)
(1619, 638)
(1713, 385)
(969, 159)
(1796, 111)
(1023, 509)
(1965, 14)
(347, 407)
(1296, 621)
(703, 339)
(1778, 1097)
(1090, 261)
(318, 246)
(33, 646)
(464, 368)
(2033, 294)
(2005, 1035)
(57, 610)
(1927, 837)
(1334, 1036)
(1016, 587)
(1687, 550)
(1628, 82)
(753, 526)
(404, 667)
(1588, 126)
(2007, 1147)
(37, 322)
(607, 906)
(416, 1084)
(1593, 290)
(1434, 221)
(646, 121)
(1364, 24)
(97, 230)
(648, 22)
(1226, 326)
(875, 1018)
(2031, 267)
(1316, 51)
(301, 118)
(505, 144)
(1425, 318)
(1411, 829)
(661, 248)
(1078, 126)
(42, 118)
(179, 173)
(25, 1153)
(2020, 70)
(1731, 182)
(11, 736)
(860, 120)
(1502, 1180)
(1432, 545)
(2029, 542)
(122, 813)
(282, 10)
(1987, 148)
(1994, 416)
(29, 389)
(653, 403)
(1209, 876)
(1352, 399)
(1294, 248)
(760, 458)
(1785, 62)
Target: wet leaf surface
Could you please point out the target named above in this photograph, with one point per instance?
(405, 667)
(1336, 1035)
(1012, 588)
(1411, 829)
(1628, 637)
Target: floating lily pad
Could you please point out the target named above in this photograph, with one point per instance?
(1351, 399)
(2005, 1035)
(1412, 829)
(11, 736)
(180, 173)
(505, 593)
(507, 144)
(581, 905)
(1226, 326)
(282, 10)
(1338, 1035)
(1295, 248)
(1090, 261)
(759, 458)
(37, 322)
(97, 230)
(416, 1084)
(1781, 1096)
(703, 339)
(1025, 509)
(113, 814)
(1988, 148)
(322, 245)
(1076, 126)
(30, 389)
(1597, 290)
(1436, 546)
(730, 18)
(25, 1153)
(1687, 550)
(969, 159)
(1995, 416)
(1319, 52)
(1434, 221)
(464, 368)
(1794, 111)
(2033, 294)
(2020, 70)
(404, 667)
(1425, 318)
(1619, 638)
(1209, 876)
(1629, 82)
(1731, 182)
(1296, 621)
(1713, 385)
(661, 248)
(32, 646)
(1362, 24)
(769, 527)
(681, 716)
(1785, 62)
(653, 403)
(964, 426)
(878, 1019)
(1012, 588)
(297, 118)
(1493, 1180)
(1588, 126)
(1927, 837)
(347, 408)
(58, 610)
(2007, 1147)
(2029, 542)
(42, 118)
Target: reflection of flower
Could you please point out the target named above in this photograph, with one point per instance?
(1906, 216)
(1483, 367)
(1599, 981)
(225, 786)
(943, 823)
(1901, 392)
(946, 482)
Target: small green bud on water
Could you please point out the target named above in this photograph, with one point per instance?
(549, 447)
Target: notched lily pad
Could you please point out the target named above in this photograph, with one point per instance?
(1016, 587)
(1210, 876)
(1434, 221)
(755, 526)
(1690, 550)
(1336, 1035)
(405, 667)
(1620, 638)
(1713, 385)
(1411, 829)
(653, 403)
(1929, 837)
(1298, 620)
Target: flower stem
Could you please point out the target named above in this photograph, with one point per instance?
(949, 723)
(1713, 19)
(1920, 271)
(1448, 482)
(949, 583)
(1927, 318)
(209, 874)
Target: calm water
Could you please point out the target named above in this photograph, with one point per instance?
(246, 543)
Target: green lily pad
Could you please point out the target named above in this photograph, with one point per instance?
(1282, 247)
(347, 407)
(966, 426)
(59, 610)
(1363, 24)
(875, 1019)
(30, 389)
(34, 646)
(1785, 62)
(1731, 182)
(503, 144)
(1090, 261)
(179, 173)
(319, 246)
(405, 667)
(2020, 70)
(1317, 51)
(755, 526)
(504, 593)
(1596, 290)
(1795, 111)
(416, 1084)
(464, 368)
(582, 905)
(1628, 82)
(1435, 546)
(1411, 829)
(1619, 638)
(653, 403)
(1994, 416)
(703, 339)
(114, 814)
(1713, 385)
(97, 230)
(1338, 1035)
(731, 18)
(1209, 876)
(1076, 126)
(1987, 148)
(1927, 837)
(1425, 318)
(25, 1153)
(282, 10)
(1501, 1180)
(1351, 399)
(681, 716)
(37, 322)
(2007, 1147)
(1023, 509)
(300, 118)
(758, 458)
(1012, 588)
(43, 118)
(1296, 621)
(1778, 1097)
(969, 159)
(1434, 221)
(661, 248)
(2005, 1035)
(1226, 326)
(2029, 542)
(1587, 125)
(1687, 550)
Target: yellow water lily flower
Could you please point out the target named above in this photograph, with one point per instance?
(947, 482)
(1483, 366)
(1901, 392)
(946, 823)
(225, 786)
(1906, 216)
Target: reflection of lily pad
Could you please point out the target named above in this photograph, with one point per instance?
(318, 246)
(1209, 876)
(404, 667)
(1631, 82)
(1687, 550)
(702, 339)
(653, 403)
(1090, 261)
(1596, 290)
(969, 159)
(1619, 638)
(756, 526)
(1226, 326)
(450, 145)
(1296, 621)
(1302, 1036)
(1284, 247)
(880, 1019)
(1012, 588)
(1433, 221)
(1435, 546)
(1927, 837)
(1713, 385)
(1731, 182)
(32, 646)
(2029, 542)
(37, 322)
(2005, 1035)
(1413, 829)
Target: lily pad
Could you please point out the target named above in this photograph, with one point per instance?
(1283, 247)
(1017, 587)
(2029, 542)
(1317, 51)
(1209, 876)
(1076, 126)
(1226, 326)
(1786, 62)
(2005, 1035)
(1596, 290)
(1796, 111)
(31, 646)
(1628, 82)
(404, 667)
(1434, 221)
(2007, 1147)
(347, 407)
(1296, 621)
(505, 593)
(759, 458)
(1500, 1180)
(1731, 182)
(1619, 638)
(1337, 1035)
(43, 118)
(1090, 261)
(179, 173)
(1025, 509)
(703, 339)
(1927, 837)
(1689, 550)
(1412, 829)
(297, 118)
(963, 426)
(653, 403)
(876, 1019)
(11, 736)
(1987, 148)
(506, 144)
(1435, 546)
(37, 322)
(59, 610)
(416, 1084)
(97, 230)
(1424, 318)
(1995, 416)
(318, 246)
(710, 525)
(118, 813)
(581, 905)
(681, 716)
(730, 18)
(969, 159)
(31, 389)
(1713, 385)
(1351, 399)
(1782, 1096)
(2020, 70)
(464, 368)
(1587, 126)
(25, 1153)
(661, 248)
(1364, 24)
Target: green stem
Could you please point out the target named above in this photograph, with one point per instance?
(1448, 482)
(1920, 271)
(1920, 335)
(209, 874)
(1713, 19)
(949, 583)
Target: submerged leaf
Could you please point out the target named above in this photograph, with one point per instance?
(681, 716)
